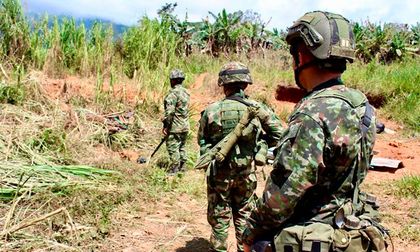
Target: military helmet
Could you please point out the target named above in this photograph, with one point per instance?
(234, 72)
(326, 35)
(176, 74)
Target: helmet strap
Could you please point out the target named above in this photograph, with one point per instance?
(299, 69)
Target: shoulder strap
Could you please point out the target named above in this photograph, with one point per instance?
(239, 99)
(363, 155)
(366, 119)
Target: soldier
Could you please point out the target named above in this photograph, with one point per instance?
(176, 121)
(311, 201)
(231, 184)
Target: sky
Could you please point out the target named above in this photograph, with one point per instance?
(280, 14)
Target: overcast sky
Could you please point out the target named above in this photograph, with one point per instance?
(281, 12)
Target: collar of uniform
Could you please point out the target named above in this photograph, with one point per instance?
(241, 94)
(327, 84)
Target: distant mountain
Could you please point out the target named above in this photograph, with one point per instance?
(119, 29)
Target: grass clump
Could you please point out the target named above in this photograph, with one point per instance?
(408, 186)
(12, 94)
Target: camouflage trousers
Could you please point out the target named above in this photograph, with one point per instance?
(175, 144)
(229, 198)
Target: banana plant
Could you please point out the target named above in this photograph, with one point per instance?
(226, 25)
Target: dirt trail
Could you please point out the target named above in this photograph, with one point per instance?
(182, 225)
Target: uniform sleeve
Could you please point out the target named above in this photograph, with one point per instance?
(202, 133)
(272, 126)
(298, 162)
(169, 106)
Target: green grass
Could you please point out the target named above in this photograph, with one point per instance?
(12, 94)
(408, 186)
(397, 83)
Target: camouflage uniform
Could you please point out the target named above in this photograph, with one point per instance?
(231, 185)
(320, 161)
(319, 148)
(176, 120)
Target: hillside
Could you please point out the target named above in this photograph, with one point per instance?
(88, 23)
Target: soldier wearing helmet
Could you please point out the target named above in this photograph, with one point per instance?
(231, 184)
(176, 121)
(311, 201)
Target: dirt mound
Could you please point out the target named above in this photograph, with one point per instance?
(87, 88)
(295, 94)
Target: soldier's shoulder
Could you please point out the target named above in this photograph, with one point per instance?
(211, 111)
(324, 109)
(319, 106)
(215, 106)
(172, 91)
(184, 89)
(260, 104)
(340, 95)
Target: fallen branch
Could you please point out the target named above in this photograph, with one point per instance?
(23, 225)
(11, 212)
(4, 72)
(168, 221)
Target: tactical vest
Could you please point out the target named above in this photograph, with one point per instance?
(231, 112)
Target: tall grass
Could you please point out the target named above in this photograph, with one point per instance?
(14, 32)
(397, 83)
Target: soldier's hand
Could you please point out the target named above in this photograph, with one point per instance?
(165, 131)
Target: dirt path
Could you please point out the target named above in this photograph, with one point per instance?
(179, 223)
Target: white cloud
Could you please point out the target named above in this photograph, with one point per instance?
(281, 12)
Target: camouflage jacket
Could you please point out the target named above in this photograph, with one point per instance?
(176, 110)
(312, 175)
(221, 117)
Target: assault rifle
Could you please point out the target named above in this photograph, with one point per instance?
(159, 145)
(142, 160)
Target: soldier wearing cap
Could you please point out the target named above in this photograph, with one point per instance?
(311, 201)
(176, 121)
(231, 184)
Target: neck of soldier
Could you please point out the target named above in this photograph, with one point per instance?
(232, 90)
(174, 83)
(311, 77)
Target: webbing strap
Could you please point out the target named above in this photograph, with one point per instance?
(363, 158)
(367, 119)
(239, 99)
(234, 71)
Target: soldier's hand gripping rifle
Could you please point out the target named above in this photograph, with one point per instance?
(219, 152)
